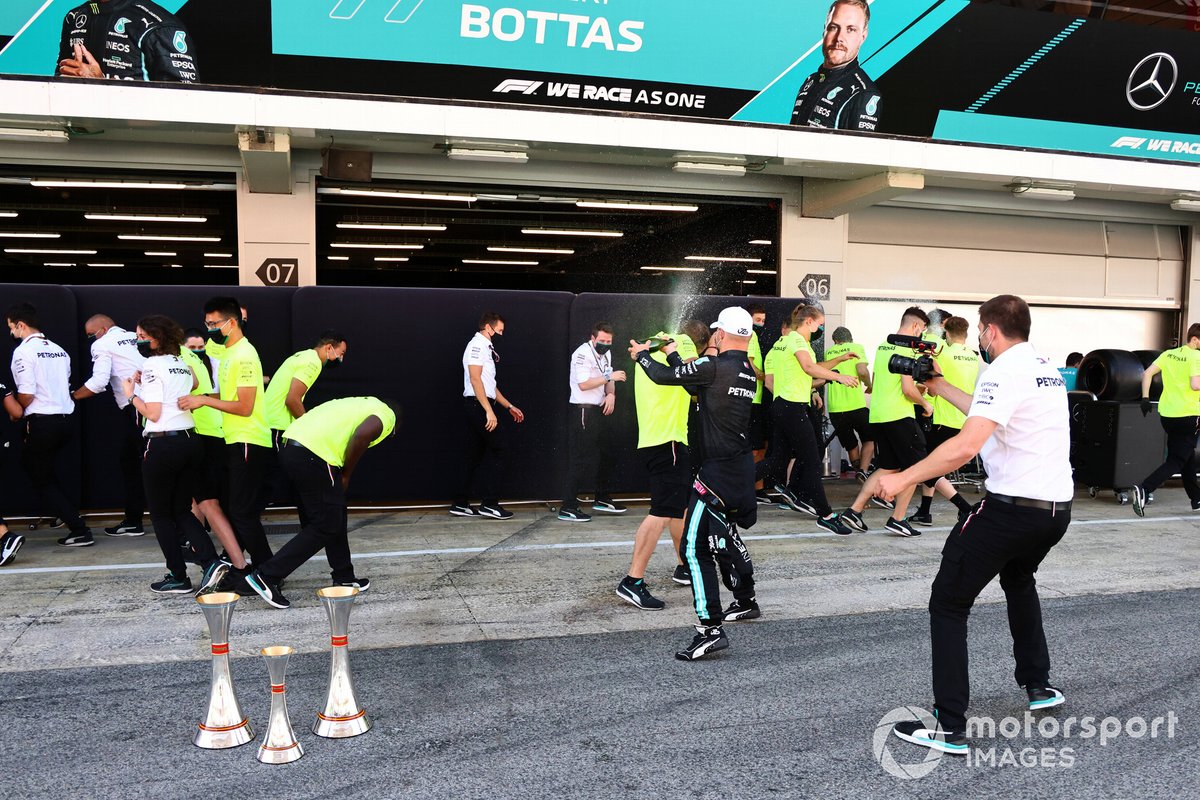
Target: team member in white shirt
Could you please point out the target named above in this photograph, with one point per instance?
(115, 357)
(173, 454)
(1017, 422)
(42, 374)
(485, 440)
(589, 438)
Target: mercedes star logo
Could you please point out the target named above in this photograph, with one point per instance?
(1151, 81)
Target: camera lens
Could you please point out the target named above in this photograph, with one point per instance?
(901, 365)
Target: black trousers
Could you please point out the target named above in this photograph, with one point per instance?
(794, 436)
(130, 460)
(170, 469)
(1181, 456)
(589, 443)
(711, 541)
(481, 459)
(996, 539)
(247, 465)
(45, 436)
(323, 501)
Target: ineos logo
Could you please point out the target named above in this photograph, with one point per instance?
(1151, 81)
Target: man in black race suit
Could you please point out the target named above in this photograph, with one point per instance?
(839, 94)
(129, 40)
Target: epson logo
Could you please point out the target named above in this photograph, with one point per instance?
(521, 87)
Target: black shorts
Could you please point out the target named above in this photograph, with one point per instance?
(670, 471)
(210, 483)
(898, 444)
(939, 435)
(760, 425)
(853, 428)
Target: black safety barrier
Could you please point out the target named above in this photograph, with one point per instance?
(405, 345)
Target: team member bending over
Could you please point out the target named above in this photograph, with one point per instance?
(323, 448)
(723, 493)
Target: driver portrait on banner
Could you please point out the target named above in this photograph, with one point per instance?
(129, 40)
(839, 94)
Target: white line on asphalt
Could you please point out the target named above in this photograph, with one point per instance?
(450, 551)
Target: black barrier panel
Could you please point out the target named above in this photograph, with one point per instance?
(56, 307)
(407, 345)
(638, 316)
(269, 329)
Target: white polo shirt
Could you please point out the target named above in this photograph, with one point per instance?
(165, 379)
(115, 357)
(587, 364)
(1029, 454)
(480, 353)
(43, 369)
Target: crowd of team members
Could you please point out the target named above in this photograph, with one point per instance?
(207, 443)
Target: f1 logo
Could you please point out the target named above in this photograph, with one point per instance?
(1132, 142)
(524, 87)
(400, 13)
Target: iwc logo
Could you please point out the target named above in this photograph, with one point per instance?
(1151, 81)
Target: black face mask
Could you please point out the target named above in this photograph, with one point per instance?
(601, 349)
(198, 352)
(144, 348)
(91, 338)
(759, 329)
(332, 363)
(215, 336)
(819, 332)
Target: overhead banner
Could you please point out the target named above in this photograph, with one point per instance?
(955, 70)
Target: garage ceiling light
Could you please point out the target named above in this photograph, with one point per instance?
(145, 237)
(57, 264)
(1183, 204)
(8, 214)
(701, 168)
(761, 241)
(33, 135)
(218, 255)
(554, 251)
(634, 205)
(724, 258)
(1043, 193)
(145, 217)
(65, 184)
(500, 262)
(162, 253)
(569, 232)
(472, 154)
(403, 195)
(391, 258)
(761, 272)
(388, 226)
(338, 258)
(104, 264)
(21, 235)
(29, 250)
(370, 246)
(221, 266)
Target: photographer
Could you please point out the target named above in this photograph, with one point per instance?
(1177, 412)
(723, 494)
(898, 440)
(1017, 422)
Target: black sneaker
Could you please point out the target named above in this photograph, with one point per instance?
(235, 581)
(214, 573)
(879, 502)
(639, 595)
(952, 742)
(172, 585)
(1044, 697)
(682, 576)
(789, 500)
(853, 519)
(608, 507)
(9, 545)
(762, 498)
(924, 520)
(267, 590)
(900, 527)
(860, 476)
(834, 525)
(463, 511)
(125, 529)
(1196, 505)
(495, 512)
(57, 523)
(738, 611)
(573, 515)
(78, 540)
(1138, 495)
(362, 584)
(708, 639)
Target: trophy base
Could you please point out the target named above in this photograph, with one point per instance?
(342, 727)
(214, 738)
(280, 755)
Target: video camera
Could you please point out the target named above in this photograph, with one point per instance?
(920, 368)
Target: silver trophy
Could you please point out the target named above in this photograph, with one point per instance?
(343, 716)
(224, 725)
(279, 745)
